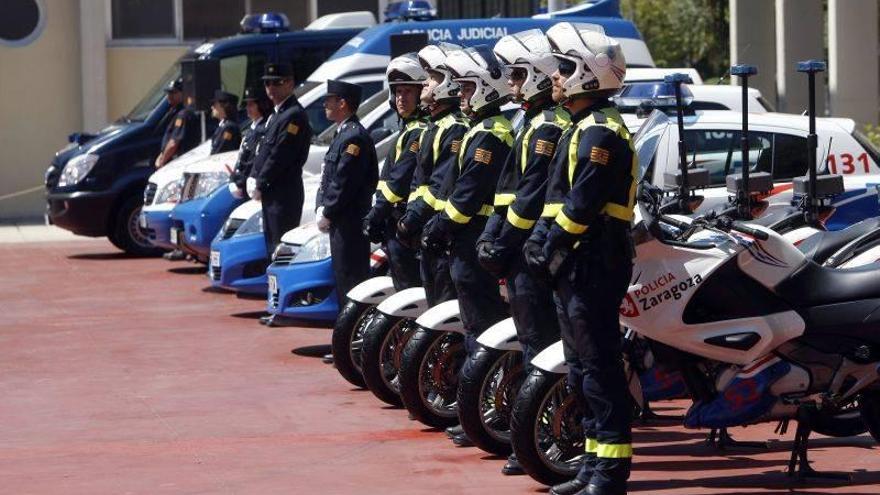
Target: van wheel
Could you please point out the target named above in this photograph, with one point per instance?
(126, 233)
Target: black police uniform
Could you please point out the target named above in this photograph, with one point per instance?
(519, 200)
(184, 128)
(279, 161)
(251, 136)
(438, 157)
(227, 137)
(590, 200)
(391, 199)
(471, 188)
(350, 175)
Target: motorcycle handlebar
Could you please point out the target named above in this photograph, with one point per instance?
(675, 223)
(757, 234)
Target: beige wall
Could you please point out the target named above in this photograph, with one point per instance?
(40, 95)
(132, 71)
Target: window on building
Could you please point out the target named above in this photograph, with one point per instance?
(143, 19)
(208, 19)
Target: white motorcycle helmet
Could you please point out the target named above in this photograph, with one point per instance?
(433, 58)
(479, 66)
(530, 51)
(594, 61)
(405, 69)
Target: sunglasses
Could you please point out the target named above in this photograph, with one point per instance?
(274, 82)
(516, 73)
(566, 67)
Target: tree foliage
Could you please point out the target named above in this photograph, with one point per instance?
(684, 33)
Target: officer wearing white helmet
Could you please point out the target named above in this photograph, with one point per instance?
(405, 77)
(519, 195)
(583, 245)
(470, 186)
(438, 153)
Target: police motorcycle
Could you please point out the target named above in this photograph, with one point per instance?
(547, 436)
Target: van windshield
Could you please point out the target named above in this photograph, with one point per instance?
(154, 96)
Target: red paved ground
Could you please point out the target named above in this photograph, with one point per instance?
(123, 375)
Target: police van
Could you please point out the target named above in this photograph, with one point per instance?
(95, 185)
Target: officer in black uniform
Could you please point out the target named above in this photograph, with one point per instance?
(350, 175)
(519, 197)
(258, 107)
(405, 78)
(438, 155)
(184, 129)
(227, 135)
(587, 248)
(471, 188)
(280, 157)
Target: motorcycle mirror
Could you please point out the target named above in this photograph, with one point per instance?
(743, 72)
(811, 68)
(677, 79)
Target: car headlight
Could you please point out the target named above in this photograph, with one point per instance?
(315, 249)
(170, 193)
(76, 169)
(253, 225)
(285, 252)
(209, 182)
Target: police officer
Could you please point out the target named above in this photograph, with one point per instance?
(438, 155)
(405, 78)
(587, 248)
(258, 107)
(277, 171)
(519, 196)
(183, 132)
(348, 179)
(227, 135)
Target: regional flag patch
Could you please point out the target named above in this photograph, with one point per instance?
(545, 148)
(414, 147)
(456, 145)
(227, 136)
(600, 155)
(178, 122)
(353, 149)
(482, 156)
(293, 129)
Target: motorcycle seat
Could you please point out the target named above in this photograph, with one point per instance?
(815, 285)
(820, 246)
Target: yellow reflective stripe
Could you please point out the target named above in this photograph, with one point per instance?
(524, 156)
(619, 212)
(570, 225)
(518, 221)
(388, 193)
(486, 210)
(442, 125)
(504, 199)
(614, 450)
(398, 146)
(591, 446)
(428, 197)
(455, 215)
(501, 128)
(439, 205)
(551, 210)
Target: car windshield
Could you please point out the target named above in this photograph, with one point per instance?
(305, 88)
(156, 94)
(366, 107)
(647, 140)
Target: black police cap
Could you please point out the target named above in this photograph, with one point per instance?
(254, 94)
(349, 92)
(278, 71)
(224, 97)
(175, 85)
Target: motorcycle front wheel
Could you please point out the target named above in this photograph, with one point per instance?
(428, 375)
(348, 338)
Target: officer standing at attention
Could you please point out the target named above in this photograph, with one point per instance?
(184, 130)
(587, 248)
(438, 155)
(519, 197)
(348, 179)
(227, 135)
(280, 156)
(405, 78)
(258, 107)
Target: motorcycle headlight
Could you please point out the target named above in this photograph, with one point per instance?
(315, 249)
(209, 182)
(170, 193)
(253, 225)
(76, 169)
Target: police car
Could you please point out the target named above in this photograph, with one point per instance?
(777, 145)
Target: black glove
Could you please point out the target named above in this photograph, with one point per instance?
(490, 260)
(435, 237)
(557, 250)
(408, 231)
(536, 261)
(373, 227)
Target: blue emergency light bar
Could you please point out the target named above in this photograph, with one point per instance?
(743, 70)
(678, 77)
(270, 22)
(812, 66)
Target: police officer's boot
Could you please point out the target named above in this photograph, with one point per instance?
(512, 467)
(597, 490)
(573, 487)
(175, 255)
(454, 431)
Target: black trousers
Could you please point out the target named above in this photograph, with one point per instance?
(533, 310)
(479, 300)
(350, 252)
(403, 261)
(436, 278)
(281, 212)
(589, 297)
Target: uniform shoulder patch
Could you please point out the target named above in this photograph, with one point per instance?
(353, 149)
(456, 145)
(600, 155)
(482, 156)
(227, 135)
(544, 147)
(414, 147)
(292, 129)
(178, 122)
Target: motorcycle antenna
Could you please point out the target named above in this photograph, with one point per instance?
(677, 80)
(744, 196)
(811, 68)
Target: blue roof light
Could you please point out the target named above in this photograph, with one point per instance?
(416, 10)
(270, 22)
